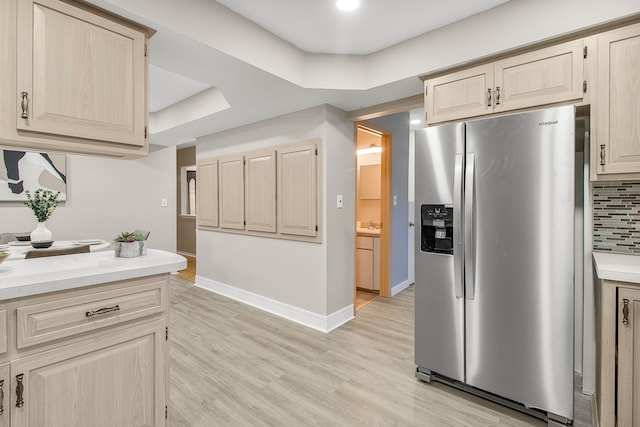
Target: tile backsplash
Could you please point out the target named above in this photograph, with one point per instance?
(616, 216)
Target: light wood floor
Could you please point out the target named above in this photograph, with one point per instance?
(235, 365)
(364, 297)
(189, 273)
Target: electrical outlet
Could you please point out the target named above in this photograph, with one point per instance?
(164, 203)
(339, 203)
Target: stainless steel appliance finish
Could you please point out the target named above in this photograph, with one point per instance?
(506, 325)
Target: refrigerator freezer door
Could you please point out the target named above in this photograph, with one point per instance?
(519, 326)
(439, 314)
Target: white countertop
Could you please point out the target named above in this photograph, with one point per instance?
(373, 232)
(623, 268)
(24, 277)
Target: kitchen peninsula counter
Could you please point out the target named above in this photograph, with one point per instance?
(26, 277)
(93, 325)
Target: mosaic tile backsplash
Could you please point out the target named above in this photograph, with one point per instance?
(616, 216)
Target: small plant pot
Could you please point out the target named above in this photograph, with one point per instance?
(130, 249)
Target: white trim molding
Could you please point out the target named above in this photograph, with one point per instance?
(396, 289)
(304, 317)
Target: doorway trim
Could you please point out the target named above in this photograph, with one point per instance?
(385, 207)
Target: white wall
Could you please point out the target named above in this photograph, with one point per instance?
(107, 196)
(316, 278)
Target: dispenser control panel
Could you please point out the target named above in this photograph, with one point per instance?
(436, 229)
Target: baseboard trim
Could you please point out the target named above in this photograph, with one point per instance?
(396, 289)
(303, 317)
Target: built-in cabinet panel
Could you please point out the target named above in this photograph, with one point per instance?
(74, 79)
(231, 180)
(545, 76)
(628, 375)
(3, 331)
(106, 382)
(83, 75)
(370, 182)
(368, 262)
(616, 146)
(207, 193)
(297, 188)
(260, 191)
(271, 192)
(5, 395)
(459, 95)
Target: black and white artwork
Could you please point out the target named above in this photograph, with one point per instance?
(27, 170)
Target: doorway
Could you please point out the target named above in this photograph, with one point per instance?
(372, 214)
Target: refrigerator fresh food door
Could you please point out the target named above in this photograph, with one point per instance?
(439, 302)
(519, 267)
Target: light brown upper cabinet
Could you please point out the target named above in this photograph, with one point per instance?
(370, 182)
(260, 191)
(231, 180)
(545, 76)
(297, 190)
(207, 193)
(74, 77)
(615, 147)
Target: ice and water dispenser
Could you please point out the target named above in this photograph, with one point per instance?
(437, 229)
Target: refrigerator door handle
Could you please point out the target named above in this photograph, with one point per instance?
(469, 232)
(458, 254)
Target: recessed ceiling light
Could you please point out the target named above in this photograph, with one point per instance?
(347, 4)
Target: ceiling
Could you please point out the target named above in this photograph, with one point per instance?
(218, 65)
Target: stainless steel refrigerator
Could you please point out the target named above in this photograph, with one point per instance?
(494, 259)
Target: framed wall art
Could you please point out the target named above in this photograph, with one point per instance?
(27, 170)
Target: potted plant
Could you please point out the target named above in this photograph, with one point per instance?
(42, 203)
(130, 245)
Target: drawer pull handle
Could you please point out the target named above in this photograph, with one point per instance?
(102, 311)
(625, 312)
(19, 391)
(25, 105)
(1, 397)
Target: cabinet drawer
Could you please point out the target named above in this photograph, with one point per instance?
(364, 242)
(70, 315)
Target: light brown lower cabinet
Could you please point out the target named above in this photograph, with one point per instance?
(618, 342)
(112, 372)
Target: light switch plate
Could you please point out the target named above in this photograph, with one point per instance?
(339, 203)
(164, 203)
(395, 200)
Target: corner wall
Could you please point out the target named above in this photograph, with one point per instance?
(310, 283)
(107, 196)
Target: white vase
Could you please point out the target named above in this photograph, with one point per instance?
(41, 233)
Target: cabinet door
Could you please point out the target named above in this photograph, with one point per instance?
(364, 268)
(207, 193)
(628, 357)
(617, 146)
(297, 190)
(115, 380)
(5, 395)
(545, 76)
(81, 75)
(460, 95)
(260, 191)
(232, 192)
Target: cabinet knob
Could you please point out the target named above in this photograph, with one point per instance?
(603, 154)
(497, 95)
(489, 97)
(25, 105)
(625, 312)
